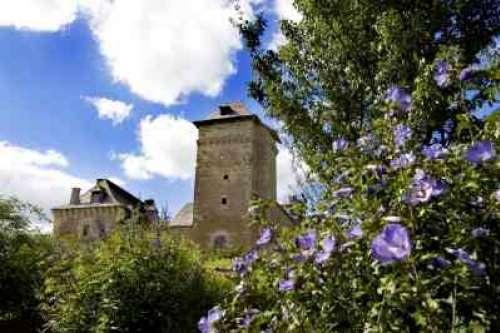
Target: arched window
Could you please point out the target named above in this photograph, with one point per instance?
(220, 241)
(224, 200)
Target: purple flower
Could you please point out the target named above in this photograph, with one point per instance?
(392, 244)
(343, 192)
(355, 232)
(286, 285)
(306, 241)
(480, 232)
(328, 245)
(403, 161)
(497, 195)
(434, 152)
(424, 187)
(265, 237)
(440, 262)
(249, 317)
(448, 126)
(299, 257)
(402, 133)
(477, 269)
(480, 152)
(339, 145)
(441, 75)
(397, 95)
(466, 74)
(241, 264)
(205, 325)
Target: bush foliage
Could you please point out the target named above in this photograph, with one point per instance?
(133, 281)
(23, 262)
(391, 105)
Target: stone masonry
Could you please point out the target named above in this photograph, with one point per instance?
(236, 161)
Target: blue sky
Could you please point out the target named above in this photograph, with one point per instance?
(95, 88)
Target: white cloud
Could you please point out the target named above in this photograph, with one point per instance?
(116, 111)
(284, 10)
(290, 174)
(168, 149)
(36, 176)
(38, 15)
(164, 50)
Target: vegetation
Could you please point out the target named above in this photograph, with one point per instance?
(384, 101)
(130, 282)
(138, 280)
(23, 261)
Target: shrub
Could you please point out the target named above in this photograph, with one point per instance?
(130, 282)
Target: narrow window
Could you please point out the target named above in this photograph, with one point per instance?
(226, 177)
(85, 232)
(224, 200)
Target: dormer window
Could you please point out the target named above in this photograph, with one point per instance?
(97, 197)
(226, 110)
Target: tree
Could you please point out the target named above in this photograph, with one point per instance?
(23, 259)
(132, 281)
(381, 100)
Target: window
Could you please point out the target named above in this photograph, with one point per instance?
(226, 177)
(220, 242)
(97, 196)
(224, 200)
(226, 110)
(85, 231)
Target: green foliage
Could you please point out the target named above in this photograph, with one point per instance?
(330, 82)
(133, 281)
(23, 261)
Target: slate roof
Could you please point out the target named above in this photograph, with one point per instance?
(183, 218)
(113, 195)
(234, 112)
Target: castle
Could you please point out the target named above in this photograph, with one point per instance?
(236, 162)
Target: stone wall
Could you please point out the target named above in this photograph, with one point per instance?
(88, 221)
(236, 160)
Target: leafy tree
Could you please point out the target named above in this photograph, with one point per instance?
(382, 100)
(23, 255)
(132, 281)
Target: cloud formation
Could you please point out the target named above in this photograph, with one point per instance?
(38, 15)
(167, 149)
(162, 50)
(38, 177)
(290, 174)
(116, 111)
(165, 50)
(284, 10)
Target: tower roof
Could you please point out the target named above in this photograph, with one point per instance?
(234, 112)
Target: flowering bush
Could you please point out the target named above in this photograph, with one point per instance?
(381, 100)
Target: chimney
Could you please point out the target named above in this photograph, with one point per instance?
(75, 196)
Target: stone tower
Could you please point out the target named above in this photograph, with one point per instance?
(236, 161)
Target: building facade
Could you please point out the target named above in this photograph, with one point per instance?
(236, 162)
(95, 213)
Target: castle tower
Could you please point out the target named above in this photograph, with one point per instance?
(236, 161)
